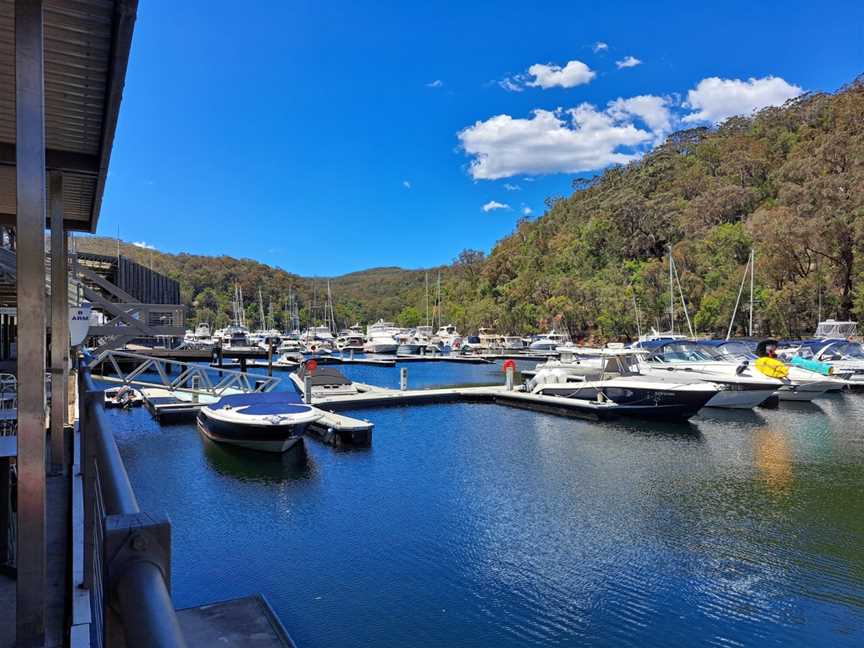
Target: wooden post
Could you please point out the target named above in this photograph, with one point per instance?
(243, 363)
(403, 378)
(30, 231)
(270, 358)
(59, 323)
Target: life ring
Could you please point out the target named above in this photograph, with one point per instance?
(772, 368)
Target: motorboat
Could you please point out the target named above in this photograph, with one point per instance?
(265, 421)
(289, 344)
(619, 382)
(489, 339)
(547, 342)
(743, 385)
(798, 384)
(447, 338)
(289, 359)
(318, 338)
(380, 341)
(472, 344)
(351, 339)
(846, 358)
(123, 397)
(513, 343)
(324, 381)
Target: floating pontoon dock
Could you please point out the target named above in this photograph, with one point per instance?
(371, 396)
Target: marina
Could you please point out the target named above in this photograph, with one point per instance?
(313, 381)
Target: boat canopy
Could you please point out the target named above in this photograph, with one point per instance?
(835, 329)
(263, 403)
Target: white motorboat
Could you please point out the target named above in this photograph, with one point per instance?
(743, 386)
(618, 381)
(265, 421)
(798, 385)
(123, 397)
(324, 381)
(547, 342)
(380, 342)
(447, 338)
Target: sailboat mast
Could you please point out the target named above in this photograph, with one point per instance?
(671, 296)
(752, 272)
(261, 309)
(426, 276)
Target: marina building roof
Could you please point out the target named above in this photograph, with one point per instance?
(86, 44)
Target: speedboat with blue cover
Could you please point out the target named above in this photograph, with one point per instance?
(265, 421)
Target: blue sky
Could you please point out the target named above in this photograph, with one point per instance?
(327, 137)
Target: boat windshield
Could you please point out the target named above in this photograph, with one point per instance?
(734, 351)
(682, 352)
(843, 350)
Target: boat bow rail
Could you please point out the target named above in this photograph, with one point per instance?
(176, 376)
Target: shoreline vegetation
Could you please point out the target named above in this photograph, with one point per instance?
(787, 182)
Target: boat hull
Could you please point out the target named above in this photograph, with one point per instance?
(263, 438)
(740, 398)
(655, 404)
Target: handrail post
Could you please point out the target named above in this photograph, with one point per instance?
(137, 551)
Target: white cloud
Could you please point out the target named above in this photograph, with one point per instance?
(571, 141)
(652, 110)
(526, 211)
(714, 99)
(144, 244)
(406, 184)
(571, 75)
(492, 205)
(437, 83)
(628, 62)
(512, 84)
(600, 46)
(549, 75)
(512, 187)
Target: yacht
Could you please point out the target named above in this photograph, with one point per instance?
(265, 421)
(618, 381)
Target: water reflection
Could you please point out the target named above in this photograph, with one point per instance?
(773, 458)
(265, 467)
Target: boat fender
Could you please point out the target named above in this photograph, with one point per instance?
(772, 368)
(813, 365)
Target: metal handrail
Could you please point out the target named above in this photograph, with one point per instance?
(143, 597)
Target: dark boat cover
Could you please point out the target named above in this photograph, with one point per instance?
(257, 403)
(324, 376)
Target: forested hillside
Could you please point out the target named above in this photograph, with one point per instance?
(207, 285)
(789, 182)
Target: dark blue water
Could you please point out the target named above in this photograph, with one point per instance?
(480, 525)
